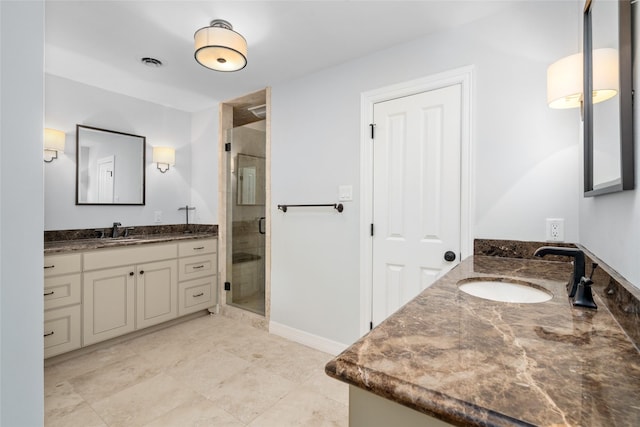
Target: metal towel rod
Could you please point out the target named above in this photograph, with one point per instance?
(336, 206)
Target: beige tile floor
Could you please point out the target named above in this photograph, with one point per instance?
(210, 371)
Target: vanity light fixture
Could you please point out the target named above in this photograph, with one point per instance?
(564, 79)
(53, 143)
(164, 157)
(219, 48)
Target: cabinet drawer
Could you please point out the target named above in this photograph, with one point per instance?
(197, 247)
(197, 266)
(197, 294)
(61, 330)
(99, 259)
(61, 290)
(61, 264)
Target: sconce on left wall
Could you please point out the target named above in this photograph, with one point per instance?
(53, 143)
(164, 157)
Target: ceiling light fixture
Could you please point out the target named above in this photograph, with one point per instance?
(219, 48)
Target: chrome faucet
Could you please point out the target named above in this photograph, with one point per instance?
(578, 264)
(114, 230)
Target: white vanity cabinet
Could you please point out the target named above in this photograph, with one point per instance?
(62, 297)
(98, 294)
(197, 275)
(127, 289)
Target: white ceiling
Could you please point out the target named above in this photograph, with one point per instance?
(100, 43)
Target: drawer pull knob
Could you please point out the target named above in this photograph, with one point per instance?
(198, 266)
(141, 271)
(47, 334)
(198, 295)
(49, 266)
(46, 294)
(198, 248)
(131, 274)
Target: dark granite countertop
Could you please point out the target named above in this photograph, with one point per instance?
(62, 246)
(470, 361)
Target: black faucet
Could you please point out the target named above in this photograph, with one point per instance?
(578, 264)
(114, 230)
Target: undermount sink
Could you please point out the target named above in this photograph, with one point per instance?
(504, 290)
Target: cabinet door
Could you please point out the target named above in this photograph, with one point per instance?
(157, 293)
(108, 303)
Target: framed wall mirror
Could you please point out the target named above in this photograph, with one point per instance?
(608, 113)
(110, 167)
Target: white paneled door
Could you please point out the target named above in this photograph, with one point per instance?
(416, 195)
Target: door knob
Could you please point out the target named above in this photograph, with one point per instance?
(449, 256)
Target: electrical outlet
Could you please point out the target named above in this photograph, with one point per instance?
(555, 229)
(157, 216)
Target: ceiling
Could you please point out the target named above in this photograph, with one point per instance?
(100, 43)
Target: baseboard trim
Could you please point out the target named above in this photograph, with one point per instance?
(305, 338)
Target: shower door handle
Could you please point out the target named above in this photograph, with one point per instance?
(260, 225)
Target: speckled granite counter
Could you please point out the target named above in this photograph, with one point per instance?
(469, 361)
(80, 240)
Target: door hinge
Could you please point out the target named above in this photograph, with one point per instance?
(227, 146)
(370, 325)
(373, 127)
(371, 231)
(227, 286)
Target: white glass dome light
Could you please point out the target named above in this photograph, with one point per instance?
(219, 48)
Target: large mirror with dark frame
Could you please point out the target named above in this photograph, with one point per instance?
(110, 167)
(608, 113)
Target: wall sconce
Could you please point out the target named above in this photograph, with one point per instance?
(219, 48)
(164, 157)
(564, 79)
(53, 143)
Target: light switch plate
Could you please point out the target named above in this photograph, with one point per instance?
(157, 217)
(345, 193)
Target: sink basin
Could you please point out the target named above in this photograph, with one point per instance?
(504, 290)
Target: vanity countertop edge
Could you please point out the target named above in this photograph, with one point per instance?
(69, 246)
(470, 361)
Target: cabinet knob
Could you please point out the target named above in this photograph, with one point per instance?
(198, 248)
(46, 334)
(449, 256)
(141, 271)
(131, 274)
(198, 295)
(46, 294)
(49, 266)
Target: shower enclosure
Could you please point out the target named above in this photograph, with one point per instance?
(246, 226)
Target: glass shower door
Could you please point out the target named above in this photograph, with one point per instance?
(246, 195)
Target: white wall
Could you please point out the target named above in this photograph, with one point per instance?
(526, 156)
(204, 165)
(68, 103)
(21, 213)
(610, 224)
